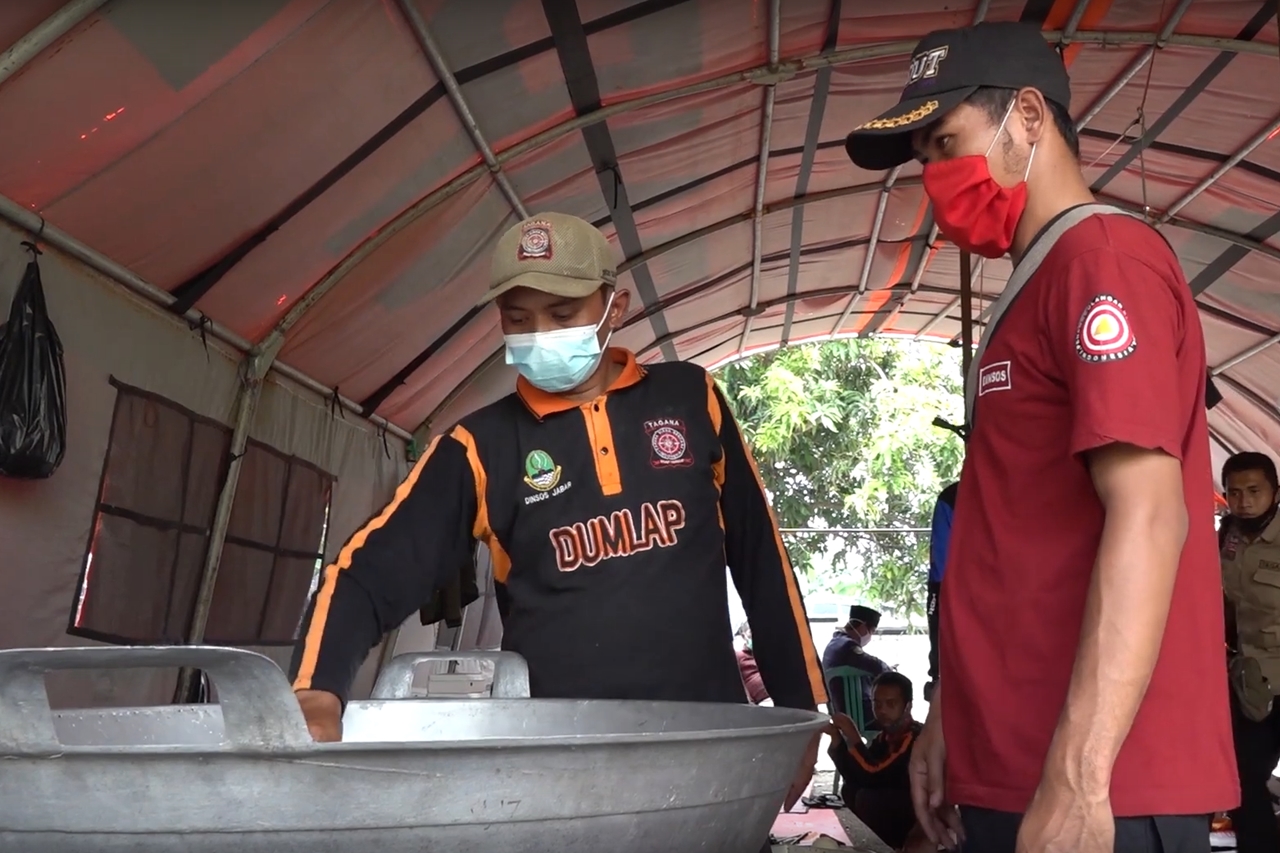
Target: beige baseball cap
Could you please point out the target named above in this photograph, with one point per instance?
(555, 253)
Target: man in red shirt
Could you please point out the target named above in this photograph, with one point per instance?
(1082, 705)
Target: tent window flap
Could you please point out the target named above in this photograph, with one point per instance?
(164, 468)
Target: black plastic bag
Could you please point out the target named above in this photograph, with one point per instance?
(33, 386)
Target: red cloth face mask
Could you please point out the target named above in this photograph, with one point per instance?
(973, 210)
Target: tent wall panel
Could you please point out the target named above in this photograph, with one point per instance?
(45, 526)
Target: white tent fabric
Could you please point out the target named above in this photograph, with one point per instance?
(317, 183)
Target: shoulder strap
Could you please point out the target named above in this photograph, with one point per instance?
(1022, 273)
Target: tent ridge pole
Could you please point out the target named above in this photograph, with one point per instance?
(46, 33)
(253, 371)
(33, 223)
(762, 171)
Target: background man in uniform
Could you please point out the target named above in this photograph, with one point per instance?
(848, 648)
(1251, 581)
(1082, 705)
(939, 538)
(610, 496)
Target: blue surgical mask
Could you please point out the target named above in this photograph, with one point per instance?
(560, 360)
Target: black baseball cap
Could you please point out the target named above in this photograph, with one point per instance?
(948, 66)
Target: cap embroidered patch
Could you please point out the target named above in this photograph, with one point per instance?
(535, 240)
(910, 117)
(1104, 333)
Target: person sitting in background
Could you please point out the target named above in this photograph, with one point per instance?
(748, 667)
(876, 786)
(847, 648)
(1250, 553)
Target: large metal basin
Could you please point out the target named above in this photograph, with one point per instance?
(511, 775)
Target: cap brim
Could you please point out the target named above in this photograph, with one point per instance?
(556, 285)
(885, 141)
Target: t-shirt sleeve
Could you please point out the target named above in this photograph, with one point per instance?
(1115, 329)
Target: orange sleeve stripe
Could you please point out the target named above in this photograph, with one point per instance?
(324, 596)
(481, 529)
(817, 682)
(717, 420)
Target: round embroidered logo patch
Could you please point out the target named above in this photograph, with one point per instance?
(668, 443)
(535, 240)
(1104, 333)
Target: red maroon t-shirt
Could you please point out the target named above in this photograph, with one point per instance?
(1103, 345)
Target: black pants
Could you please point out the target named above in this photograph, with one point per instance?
(931, 613)
(1257, 751)
(988, 831)
(886, 811)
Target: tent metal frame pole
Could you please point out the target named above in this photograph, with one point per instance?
(881, 206)
(44, 35)
(841, 192)
(253, 372)
(1244, 355)
(1161, 40)
(762, 172)
(441, 68)
(1073, 23)
(937, 318)
(762, 74)
(931, 248)
(50, 235)
(974, 270)
(1230, 163)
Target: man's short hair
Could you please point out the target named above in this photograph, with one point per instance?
(1251, 461)
(995, 103)
(896, 679)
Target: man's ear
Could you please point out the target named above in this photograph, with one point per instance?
(1032, 110)
(618, 312)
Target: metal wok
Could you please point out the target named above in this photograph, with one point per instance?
(427, 776)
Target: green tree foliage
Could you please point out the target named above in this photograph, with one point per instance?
(843, 433)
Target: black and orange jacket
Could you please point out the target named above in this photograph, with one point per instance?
(610, 524)
(882, 763)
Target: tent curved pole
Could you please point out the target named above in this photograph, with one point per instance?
(48, 31)
(914, 286)
(440, 66)
(496, 356)
(1177, 222)
(33, 223)
(258, 361)
(762, 164)
(760, 75)
(401, 376)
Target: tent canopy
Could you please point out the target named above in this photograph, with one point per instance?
(269, 213)
(328, 176)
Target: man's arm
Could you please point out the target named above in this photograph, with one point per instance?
(762, 573)
(1125, 613)
(939, 539)
(390, 567)
(1116, 328)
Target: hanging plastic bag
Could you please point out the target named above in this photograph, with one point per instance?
(33, 385)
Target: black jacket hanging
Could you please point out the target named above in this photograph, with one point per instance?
(33, 383)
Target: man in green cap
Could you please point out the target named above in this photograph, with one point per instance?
(611, 496)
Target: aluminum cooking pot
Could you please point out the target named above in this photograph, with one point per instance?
(411, 775)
